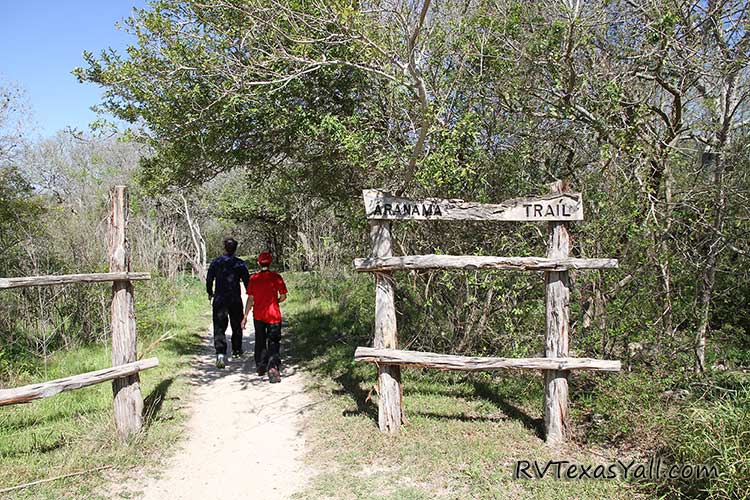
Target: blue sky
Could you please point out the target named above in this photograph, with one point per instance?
(41, 41)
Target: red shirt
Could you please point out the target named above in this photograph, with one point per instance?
(265, 288)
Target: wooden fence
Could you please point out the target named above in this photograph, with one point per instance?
(128, 400)
(557, 209)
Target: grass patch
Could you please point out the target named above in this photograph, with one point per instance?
(74, 430)
(464, 432)
(692, 419)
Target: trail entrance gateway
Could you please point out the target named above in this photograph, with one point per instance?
(557, 209)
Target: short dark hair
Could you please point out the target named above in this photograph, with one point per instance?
(230, 245)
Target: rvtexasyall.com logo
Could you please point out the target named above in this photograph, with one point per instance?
(629, 470)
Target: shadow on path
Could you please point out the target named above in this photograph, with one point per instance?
(205, 371)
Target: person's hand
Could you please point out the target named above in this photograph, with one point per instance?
(244, 322)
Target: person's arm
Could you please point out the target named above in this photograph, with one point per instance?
(210, 276)
(281, 288)
(248, 307)
(245, 276)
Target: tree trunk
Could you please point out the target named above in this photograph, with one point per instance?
(199, 244)
(709, 273)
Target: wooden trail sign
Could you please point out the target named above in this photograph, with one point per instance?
(555, 207)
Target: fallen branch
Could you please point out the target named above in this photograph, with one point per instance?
(165, 336)
(63, 476)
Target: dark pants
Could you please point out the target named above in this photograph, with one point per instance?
(267, 339)
(223, 315)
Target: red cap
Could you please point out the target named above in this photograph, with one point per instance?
(265, 259)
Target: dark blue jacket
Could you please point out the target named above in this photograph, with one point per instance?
(226, 271)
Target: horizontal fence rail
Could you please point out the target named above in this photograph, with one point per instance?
(66, 279)
(470, 262)
(467, 363)
(32, 392)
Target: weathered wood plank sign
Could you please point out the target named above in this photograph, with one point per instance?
(554, 207)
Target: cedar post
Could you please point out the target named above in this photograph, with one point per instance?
(128, 401)
(557, 325)
(389, 376)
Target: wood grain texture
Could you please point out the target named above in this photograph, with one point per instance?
(66, 279)
(471, 262)
(33, 392)
(472, 364)
(390, 395)
(380, 205)
(128, 401)
(556, 337)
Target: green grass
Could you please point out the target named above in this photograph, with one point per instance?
(464, 432)
(74, 430)
(463, 435)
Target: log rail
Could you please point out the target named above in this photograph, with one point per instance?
(67, 279)
(32, 392)
(472, 364)
(471, 262)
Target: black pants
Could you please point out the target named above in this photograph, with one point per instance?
(267, 340)
(223, 315)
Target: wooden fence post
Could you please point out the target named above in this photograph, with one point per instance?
(557, 325)
(128, 401)
(389, 376)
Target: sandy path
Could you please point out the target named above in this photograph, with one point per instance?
(244, 436)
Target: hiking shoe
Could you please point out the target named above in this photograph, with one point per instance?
(274, 376)
(237, 354)
(220, 361)
(261, 370)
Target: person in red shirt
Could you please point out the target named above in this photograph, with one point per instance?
(264, 294)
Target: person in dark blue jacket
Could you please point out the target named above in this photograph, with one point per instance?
(226, 272)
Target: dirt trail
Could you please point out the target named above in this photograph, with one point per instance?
(244, 436)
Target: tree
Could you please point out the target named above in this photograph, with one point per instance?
(309, 102)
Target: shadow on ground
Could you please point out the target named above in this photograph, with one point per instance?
(204, 370)
(323, 342)
(153, 402)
